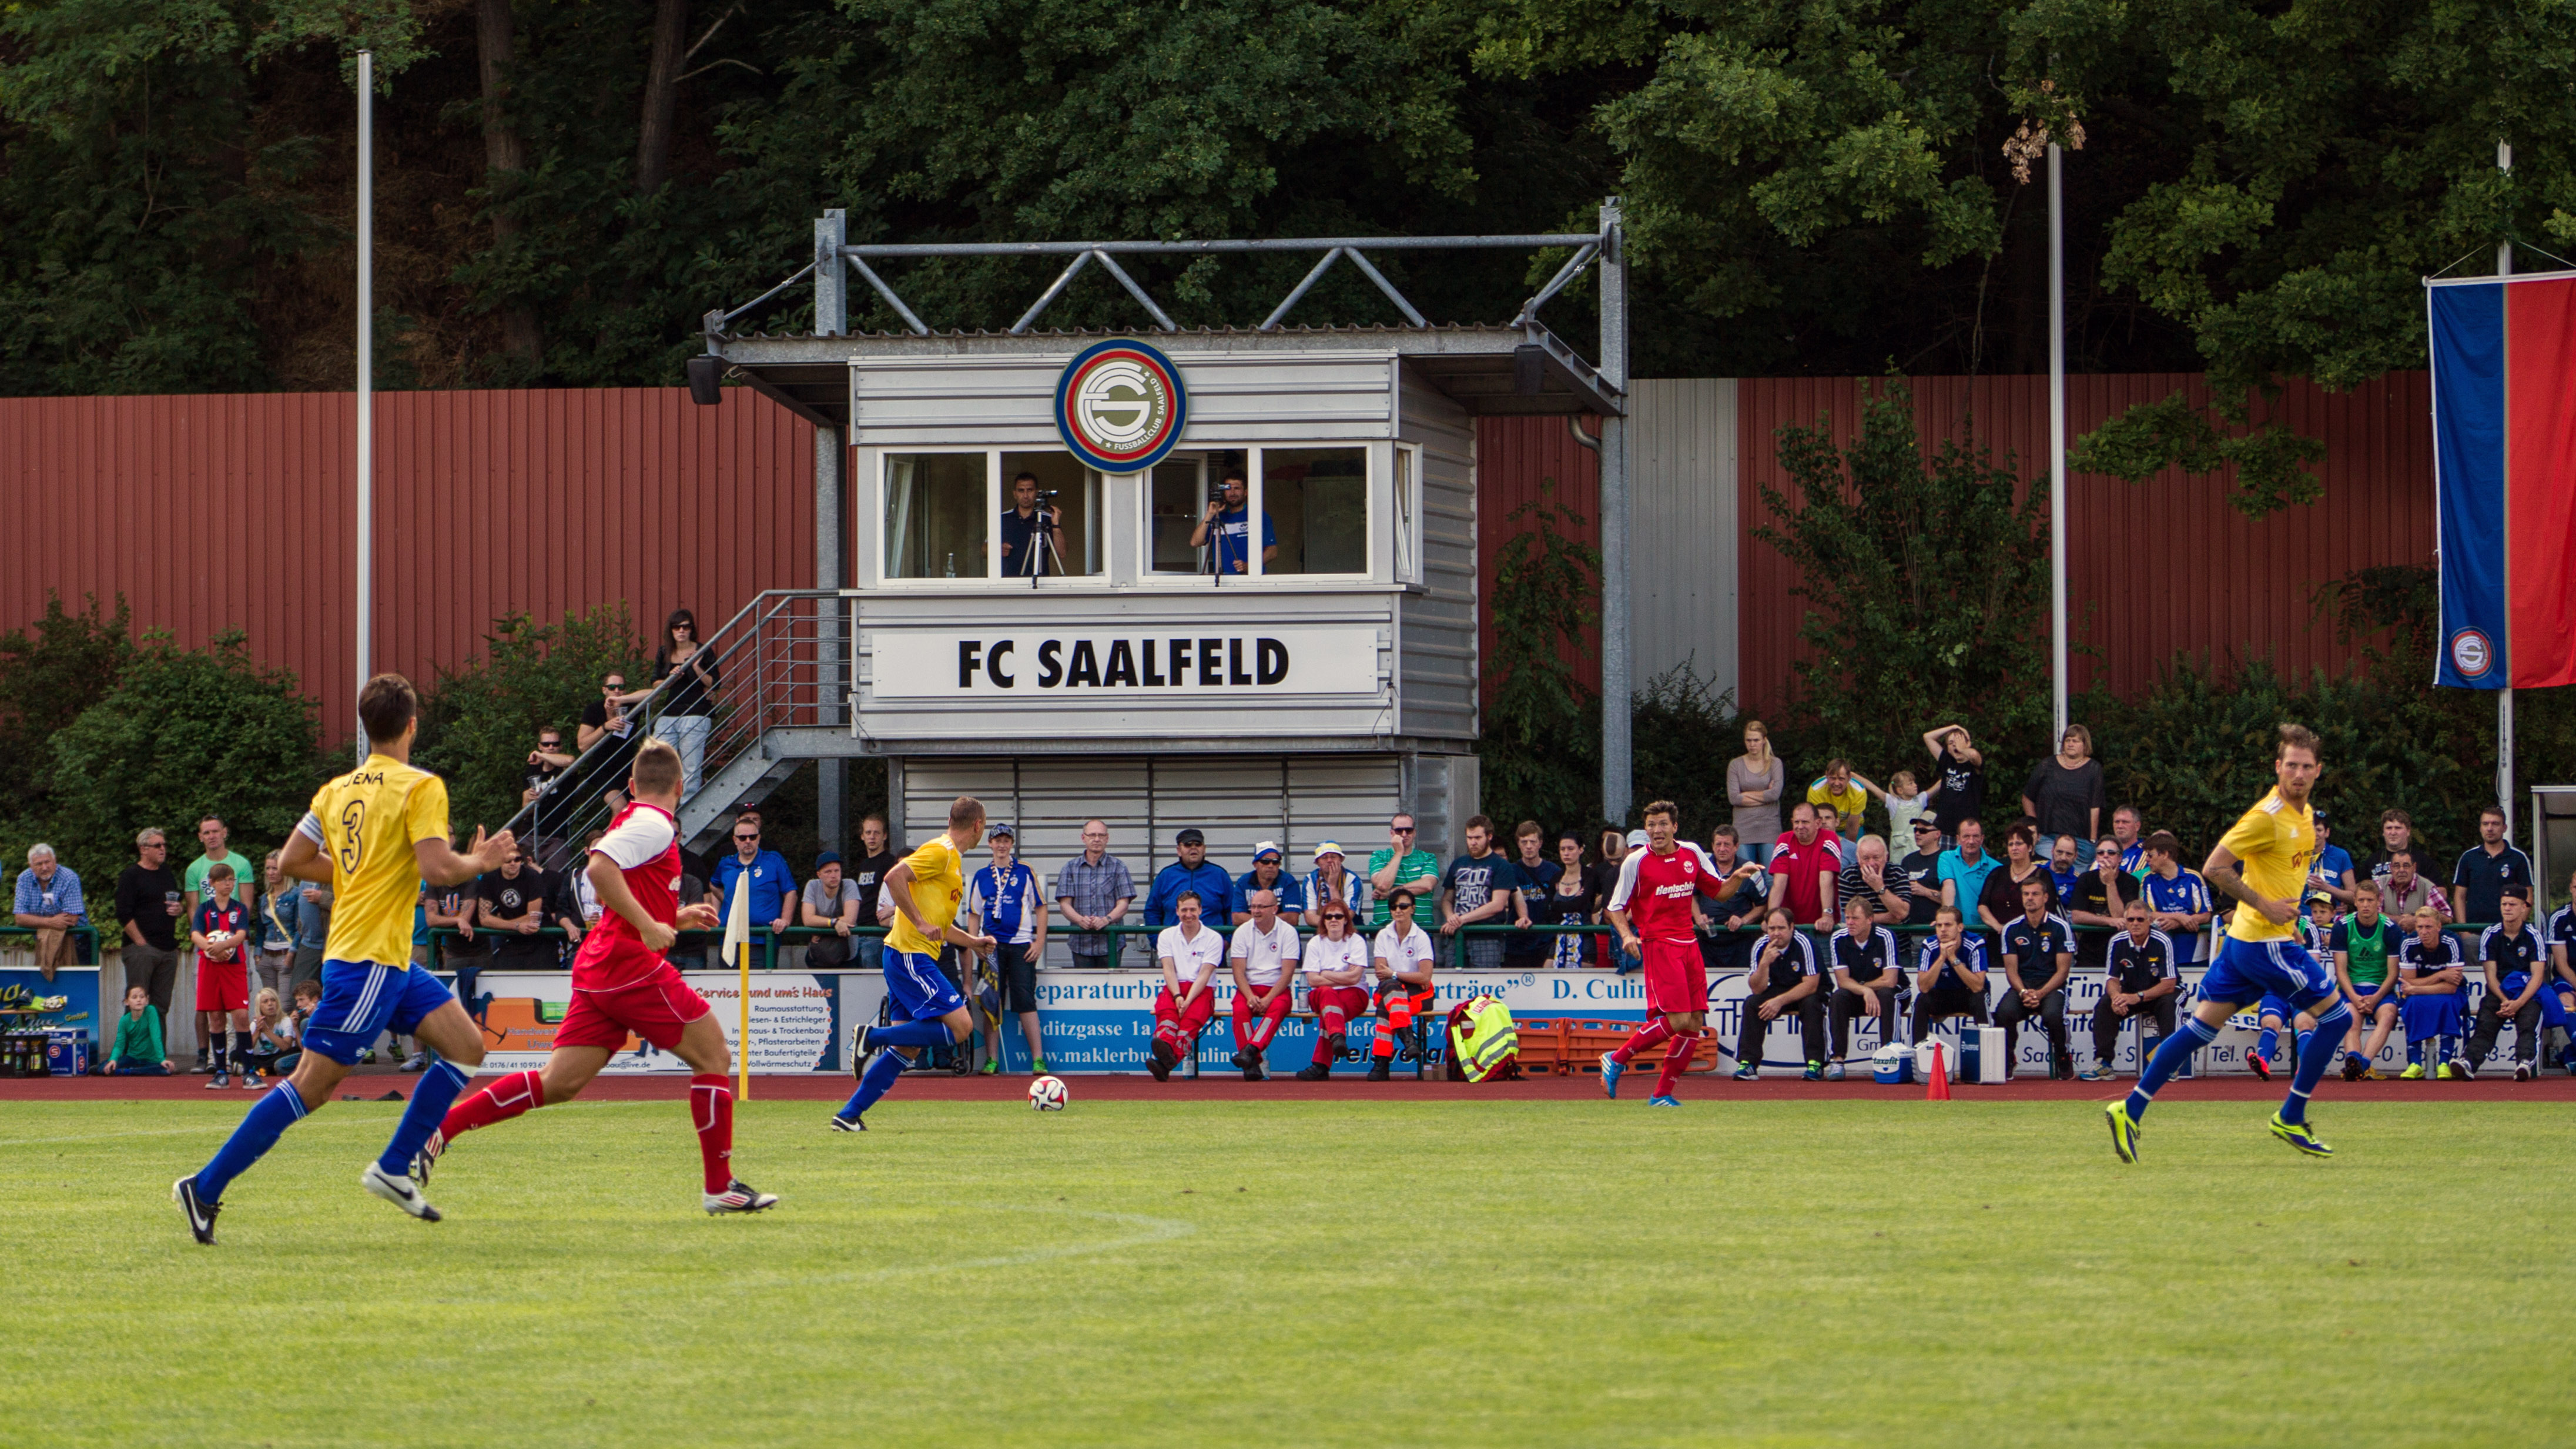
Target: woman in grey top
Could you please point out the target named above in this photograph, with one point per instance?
(1754, 782)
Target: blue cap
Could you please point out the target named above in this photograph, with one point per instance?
(1003, 828)
(829, 857)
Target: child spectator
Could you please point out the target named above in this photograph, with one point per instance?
(220, 931)
(271, 1036)
(138, 1050)
(1905, 803)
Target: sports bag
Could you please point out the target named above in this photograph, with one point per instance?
(1483, 1044)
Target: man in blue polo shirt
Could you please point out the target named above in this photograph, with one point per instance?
(762, 872)
(1266, 875)
(2486, 869)
(1230, 523)
(1963, 870)
(1192, 872)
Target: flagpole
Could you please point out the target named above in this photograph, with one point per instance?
(737, 944)
(742, 1058)
(2504, 696)
(2057, 441)
(366, 600)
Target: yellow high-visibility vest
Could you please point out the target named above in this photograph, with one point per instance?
(1484, 1038)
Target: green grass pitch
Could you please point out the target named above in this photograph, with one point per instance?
(1370, 1273)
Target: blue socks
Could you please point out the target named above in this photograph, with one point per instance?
(879, 1076)
(2172, 1054)
(2268, 1045)
(429, 1103)
(930, 1031)
(2313, 1059)
(277, 1109)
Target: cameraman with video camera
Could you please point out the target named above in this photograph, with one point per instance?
(1226, 516)
(1025, 532)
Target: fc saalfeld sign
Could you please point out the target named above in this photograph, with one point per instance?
(1120, 405)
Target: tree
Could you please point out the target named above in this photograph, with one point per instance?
(1928, 581)
(184, 734)
(49, 679)
(479, 721)
(2331, 157)
(1540, 750)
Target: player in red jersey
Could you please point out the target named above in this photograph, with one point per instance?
(1652, 909)
(621, 984)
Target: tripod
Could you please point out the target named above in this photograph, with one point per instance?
(1042, 547)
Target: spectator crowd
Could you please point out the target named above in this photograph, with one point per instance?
(1838, 924)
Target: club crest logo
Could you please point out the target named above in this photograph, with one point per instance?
(1120, 405)
(2471, 654)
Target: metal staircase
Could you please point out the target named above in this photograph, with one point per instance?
(782, 697)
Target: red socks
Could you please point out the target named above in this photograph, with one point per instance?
(711, 1112)
(1676, 1060)
(1643, 1037)
(499, 1102)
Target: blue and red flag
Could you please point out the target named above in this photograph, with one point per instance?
(2504, 467)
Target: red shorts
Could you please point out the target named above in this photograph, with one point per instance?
(222, 985)
(656, 1008)
(1676, 979)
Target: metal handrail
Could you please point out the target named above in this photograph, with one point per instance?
(739, 714)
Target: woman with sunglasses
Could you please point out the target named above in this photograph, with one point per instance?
(687, 702)
(1403, 957)
(1337, 967)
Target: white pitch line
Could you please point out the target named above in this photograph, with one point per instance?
(1154, 1230)
(219, 1128)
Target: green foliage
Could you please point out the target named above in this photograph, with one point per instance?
(2270, 459)
(47, 681)
(1544, 578)
(184, 733)
(144, 192)
(479, 721)
(1928, 580)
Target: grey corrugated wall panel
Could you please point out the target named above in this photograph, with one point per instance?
(1438, 623)
(1682, 560)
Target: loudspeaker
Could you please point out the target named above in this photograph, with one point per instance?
(706, 381)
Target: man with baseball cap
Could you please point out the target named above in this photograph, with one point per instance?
(1329, 881)
(1192, 872)
(1266, 875)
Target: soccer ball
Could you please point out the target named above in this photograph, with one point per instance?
(1046, 1094)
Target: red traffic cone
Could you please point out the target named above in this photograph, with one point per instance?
(1939, 1089)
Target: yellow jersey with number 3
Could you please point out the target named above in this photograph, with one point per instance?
(2273, 845)
(365, 823)
(938, 884)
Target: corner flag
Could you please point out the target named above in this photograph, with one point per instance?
(737, 947)
(2504, 468)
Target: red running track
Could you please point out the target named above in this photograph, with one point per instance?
(2493, 1087)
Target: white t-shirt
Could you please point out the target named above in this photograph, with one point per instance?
(1404, 953)
(1265, 957)
(1341, 955)
(1196, 958)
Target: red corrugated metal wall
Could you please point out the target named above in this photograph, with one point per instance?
(216, 512)
(1513, 457)
(2154, 569)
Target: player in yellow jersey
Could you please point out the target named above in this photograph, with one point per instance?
(373, 835)
(925, 887)
(2263, 862)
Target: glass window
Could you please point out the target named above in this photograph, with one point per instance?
(1174, 505)
(1068, 493)
(1408, 548)
(1314, 501)
(935, 521)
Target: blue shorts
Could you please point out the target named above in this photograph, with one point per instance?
(2254, 970)
(2427, 1017)
(363, 998)
(2273, 1005)
(919, 989)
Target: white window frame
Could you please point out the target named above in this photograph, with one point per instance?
(886, 576)
(1406, 492)
(1256, 497)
